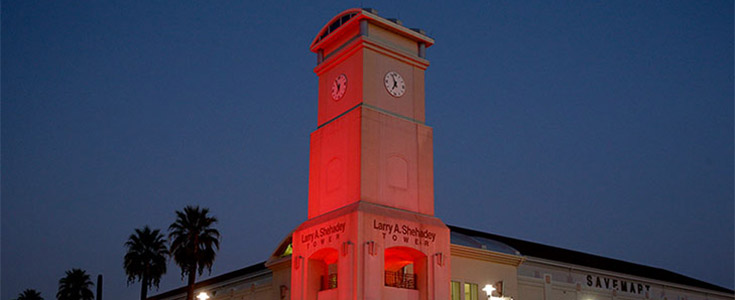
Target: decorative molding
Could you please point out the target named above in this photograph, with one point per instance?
(399, 54)
(359, 42)
(486, 255)
(279, 264)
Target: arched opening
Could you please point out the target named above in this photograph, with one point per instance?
(322, 271)
(405, 268)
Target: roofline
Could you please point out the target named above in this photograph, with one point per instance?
(527, 249)
(221, 278)
(364, 13)
(316, 40)
(531, 249)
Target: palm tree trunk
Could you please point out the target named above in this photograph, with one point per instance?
(144, 288)
(190, 287)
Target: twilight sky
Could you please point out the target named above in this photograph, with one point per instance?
(600, 126)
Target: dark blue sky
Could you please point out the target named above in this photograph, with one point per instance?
(602, 127)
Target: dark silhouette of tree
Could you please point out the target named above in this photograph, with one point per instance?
(194, 243)
(29, 294)
(146, 258)
(75, 286)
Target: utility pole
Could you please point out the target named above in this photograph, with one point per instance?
(99, 287)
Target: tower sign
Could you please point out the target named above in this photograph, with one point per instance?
(371, 231)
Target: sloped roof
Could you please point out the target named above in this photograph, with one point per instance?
(480, 242)
(527, 248)
(244, 272)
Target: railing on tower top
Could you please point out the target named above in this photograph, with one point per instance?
(329, 282)
(400, 280)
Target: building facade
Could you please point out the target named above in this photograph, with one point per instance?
(517, 269)
(371, 232)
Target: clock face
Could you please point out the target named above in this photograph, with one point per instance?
(394, 84)
(339, 87)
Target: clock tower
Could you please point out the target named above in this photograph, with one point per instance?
(371, 231)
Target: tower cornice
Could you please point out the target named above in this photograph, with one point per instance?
(361, 42)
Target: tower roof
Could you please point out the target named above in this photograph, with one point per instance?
(348, 18)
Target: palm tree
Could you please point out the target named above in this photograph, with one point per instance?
(146, 258)
(29, 294)
(193, 243)
(75, 286)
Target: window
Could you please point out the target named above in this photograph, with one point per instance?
(322, 272)
(404, 268)
(403, 278)
(470, 291)
(329, 281)
(455, 290)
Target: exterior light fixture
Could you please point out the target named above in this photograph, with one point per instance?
(489, 289)
(203, 296)
(499, 288)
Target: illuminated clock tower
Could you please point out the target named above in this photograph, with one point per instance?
(371, 231)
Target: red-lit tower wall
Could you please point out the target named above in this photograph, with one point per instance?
(371, 232)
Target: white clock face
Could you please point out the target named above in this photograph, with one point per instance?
(394, 84)
(339, 87)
